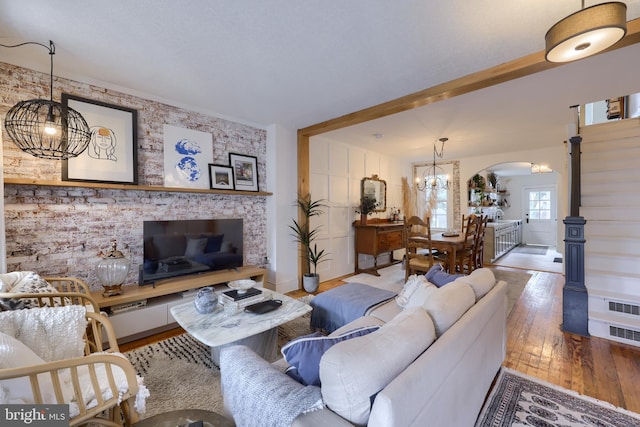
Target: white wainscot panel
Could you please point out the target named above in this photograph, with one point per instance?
(339, 190)
(324, 267)
(321, 222)
(341, 261)
(318, 156)
(338, 159)
(356, 163)
(319, 186)
(372, 164)
(340, 223)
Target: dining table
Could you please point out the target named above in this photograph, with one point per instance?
(450, 244)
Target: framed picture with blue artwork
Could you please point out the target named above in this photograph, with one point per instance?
(187, 156)
(245, 171)
(112, 154)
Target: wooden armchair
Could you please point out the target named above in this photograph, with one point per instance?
(102, 380)
(419, 250)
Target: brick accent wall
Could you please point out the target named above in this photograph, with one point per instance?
(61, 230)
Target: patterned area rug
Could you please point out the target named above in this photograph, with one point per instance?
(180, 374)
(519, 400)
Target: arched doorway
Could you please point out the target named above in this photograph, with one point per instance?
(524, 192)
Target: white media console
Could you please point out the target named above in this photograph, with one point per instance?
(145, 310)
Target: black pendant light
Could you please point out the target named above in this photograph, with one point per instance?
(45, 128)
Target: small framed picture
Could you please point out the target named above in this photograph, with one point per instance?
(220, 177)
(112, 154)
(245, 171)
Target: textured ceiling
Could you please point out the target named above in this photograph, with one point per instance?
(297, 63)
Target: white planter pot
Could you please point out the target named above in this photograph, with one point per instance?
(310, 282)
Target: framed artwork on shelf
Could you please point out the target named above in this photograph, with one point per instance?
(112, 154)
(245, 171)
(220, 177)
(187, 156)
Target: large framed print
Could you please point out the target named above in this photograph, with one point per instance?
(112, 154)
(245, 171)
(187, 156)
(220, 177)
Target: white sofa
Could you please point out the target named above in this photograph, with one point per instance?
(431, 363)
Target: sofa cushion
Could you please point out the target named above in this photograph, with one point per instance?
(439, 277)
(360, 322)
(447, 304)
(303, 354)
(385, 312)
(258, 394)
(421, 295)
(481, 281)
(352, 372)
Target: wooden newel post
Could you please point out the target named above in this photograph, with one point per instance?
(575, 309)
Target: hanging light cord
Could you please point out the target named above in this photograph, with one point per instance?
(435, 151)
(52, 51)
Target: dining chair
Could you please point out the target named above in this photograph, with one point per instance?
(478, 250)
(418, 247)
(465, 257)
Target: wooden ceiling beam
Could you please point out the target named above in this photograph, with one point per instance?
(511, 70)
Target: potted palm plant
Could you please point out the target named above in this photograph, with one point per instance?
(305, 236)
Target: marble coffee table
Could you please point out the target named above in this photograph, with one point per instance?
(257, 331)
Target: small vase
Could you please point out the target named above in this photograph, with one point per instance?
(206, 300)
(363, 219)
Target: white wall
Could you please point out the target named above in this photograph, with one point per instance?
(282, 251)
(336, 170)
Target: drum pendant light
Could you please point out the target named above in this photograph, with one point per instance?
(45, 128)
(586, 32)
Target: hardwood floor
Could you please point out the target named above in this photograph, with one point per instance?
(592, 366)
(536, 346)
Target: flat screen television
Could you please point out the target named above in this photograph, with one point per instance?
(182, 247)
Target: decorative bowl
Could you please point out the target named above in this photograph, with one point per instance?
(242, 285)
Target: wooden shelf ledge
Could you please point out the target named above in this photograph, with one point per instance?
(104, 185)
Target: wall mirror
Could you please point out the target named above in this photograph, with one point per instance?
(376, 188)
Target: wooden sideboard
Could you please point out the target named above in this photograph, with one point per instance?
(375, 238)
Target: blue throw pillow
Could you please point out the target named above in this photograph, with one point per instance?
(304, 353)
(436, 268)
(439, 277)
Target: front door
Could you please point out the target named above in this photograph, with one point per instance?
(539, 227)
